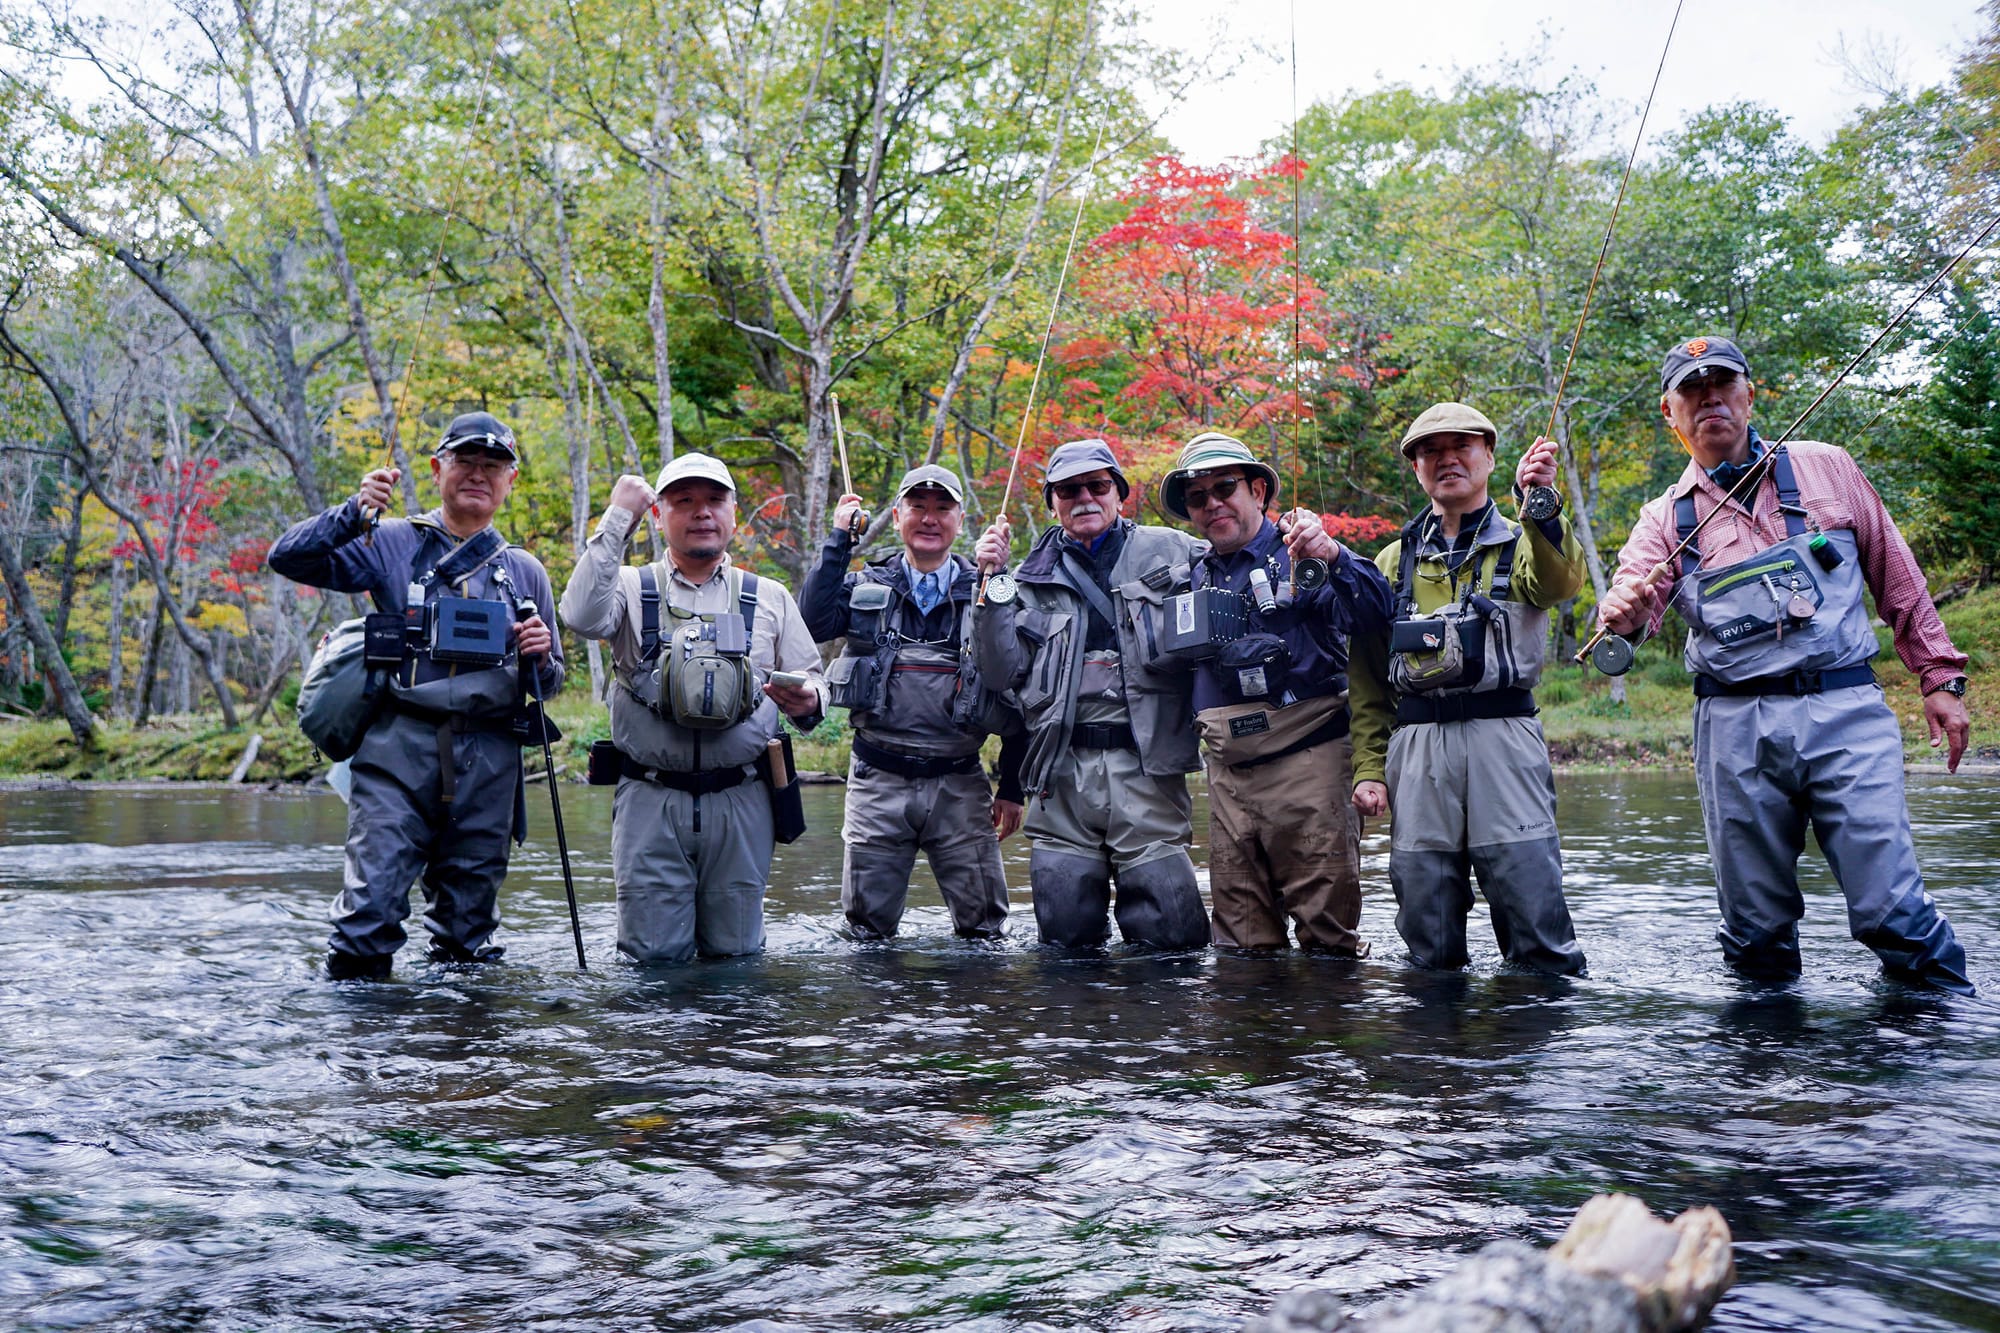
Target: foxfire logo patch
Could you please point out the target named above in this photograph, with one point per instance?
(1248, 725)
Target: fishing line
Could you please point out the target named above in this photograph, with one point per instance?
(1298, 245)
(1747, 484)
(1604, 251)
(1048, 332)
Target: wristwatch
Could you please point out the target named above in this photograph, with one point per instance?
(1955, 687)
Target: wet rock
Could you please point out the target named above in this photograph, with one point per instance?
(1616, 1270)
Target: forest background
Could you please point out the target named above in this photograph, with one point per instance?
(250, 249)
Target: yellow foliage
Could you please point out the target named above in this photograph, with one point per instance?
(222, 616)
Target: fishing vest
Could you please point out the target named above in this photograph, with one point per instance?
(904, 692)
(699, 675)
(1797, 606)
(446, 654)
(1478, 644)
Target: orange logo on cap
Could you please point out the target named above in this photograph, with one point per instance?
(1697, 347)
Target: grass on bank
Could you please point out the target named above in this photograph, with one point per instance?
(1583, 725)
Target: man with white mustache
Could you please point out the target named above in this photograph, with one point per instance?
(1109, 745)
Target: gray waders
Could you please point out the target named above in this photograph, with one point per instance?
(1469, 779)
(1790, 729)
(950, 819)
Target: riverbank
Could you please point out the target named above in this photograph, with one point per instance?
(1586, 728)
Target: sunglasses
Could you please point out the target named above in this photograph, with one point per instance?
(1220, 489)
(1069, 490)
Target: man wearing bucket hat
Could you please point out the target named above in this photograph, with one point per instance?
(1789, 724)
(1445, 734)
(1271, 705)
(436, 783)
(920, 715)
(692, 831)
(1109, 745)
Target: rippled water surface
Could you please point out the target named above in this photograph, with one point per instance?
(200, 1132)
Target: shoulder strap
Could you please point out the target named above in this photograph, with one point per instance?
(467, 556)
(1406, 572)
(1503, 565)
(1685, 522)
(649, 613)
(746, 597)
(1084, 583)
(1788, 492)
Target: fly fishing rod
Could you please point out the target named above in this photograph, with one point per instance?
(859, 523)
(1542, 503)
(1308, 572)
(1612, 653)
(529, 611)
(1048, 332)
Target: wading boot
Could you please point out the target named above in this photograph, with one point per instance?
(353, 966)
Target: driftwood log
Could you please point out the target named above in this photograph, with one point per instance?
(1618, 1269)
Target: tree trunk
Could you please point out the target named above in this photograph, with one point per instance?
(72, 543)
(82, 725)
(119, 579)
(149, 664)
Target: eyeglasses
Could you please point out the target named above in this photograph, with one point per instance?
(480, 461)
(1069, 490)
(1220, 489)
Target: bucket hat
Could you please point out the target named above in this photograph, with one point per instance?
(1209, 452)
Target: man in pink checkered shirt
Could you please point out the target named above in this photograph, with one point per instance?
(1790, 726)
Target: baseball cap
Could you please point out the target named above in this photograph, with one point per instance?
(479, 430)
(695, 467)
(930, 474)
(1698, 354)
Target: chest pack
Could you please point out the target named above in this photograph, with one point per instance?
(1794, 606)
(698, 675)
(1448, 648)
(346, 684)
(879, 649)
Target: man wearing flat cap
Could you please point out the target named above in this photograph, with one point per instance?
(694, 639)
(1790, 728)
(920, 713)
(1109, 745)
(1445, 732)
(436, 783)
(1270, 704)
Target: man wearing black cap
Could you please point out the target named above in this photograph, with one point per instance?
(437, 781)
(920, 715)
(1790, 728)
(1109, 741)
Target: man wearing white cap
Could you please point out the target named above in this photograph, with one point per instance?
(692, 827)
(1109, 745)
(920, 714)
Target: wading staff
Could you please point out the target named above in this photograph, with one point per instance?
(1618, 651)
(1542, 502)
(859, 523)
(529, 612)
(1048, 331)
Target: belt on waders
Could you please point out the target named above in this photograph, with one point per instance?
(704, 783)
(1102, 736)
(513, 726)
(1464, 707)
(1332, 729)
(1790, 683)
(914, 765)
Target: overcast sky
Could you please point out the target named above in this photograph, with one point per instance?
(1779, 52)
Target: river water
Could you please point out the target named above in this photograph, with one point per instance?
(200, 1132)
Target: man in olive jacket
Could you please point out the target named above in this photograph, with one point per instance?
(1109, 744)
(1444, 707)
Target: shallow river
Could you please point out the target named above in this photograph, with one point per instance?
(199, 1132)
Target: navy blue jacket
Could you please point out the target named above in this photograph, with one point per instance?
(1315, 627)
(328, 551)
